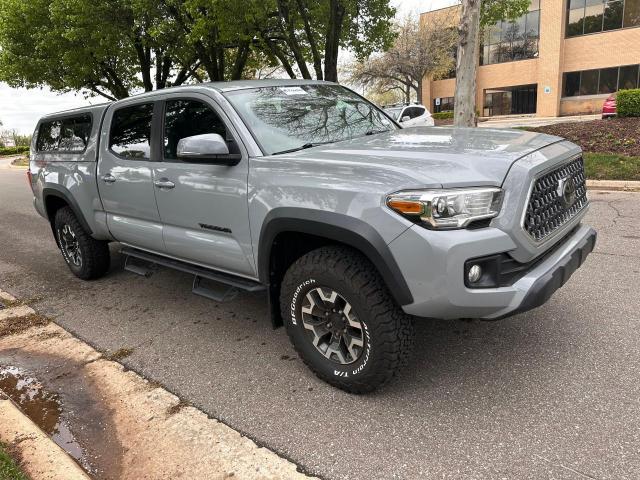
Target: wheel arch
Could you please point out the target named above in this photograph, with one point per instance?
(318, 228)
(55, 197)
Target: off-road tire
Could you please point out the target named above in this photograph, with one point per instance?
(95, 257)
(389, 330)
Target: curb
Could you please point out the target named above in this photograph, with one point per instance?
(37, 454)
(614, 185)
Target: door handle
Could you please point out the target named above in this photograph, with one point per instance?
(164, 183)
(108, 178)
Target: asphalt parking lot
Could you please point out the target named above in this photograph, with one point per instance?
(553, 393)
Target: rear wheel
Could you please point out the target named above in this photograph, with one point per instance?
(342, 320)
(86, 257)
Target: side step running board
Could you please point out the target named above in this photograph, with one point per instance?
(224, 286)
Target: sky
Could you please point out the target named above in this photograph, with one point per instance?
(20, 108)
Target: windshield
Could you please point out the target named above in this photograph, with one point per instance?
(289, 118)
(393, 112)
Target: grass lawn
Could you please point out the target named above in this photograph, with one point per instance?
(8, 468)
(610, 166)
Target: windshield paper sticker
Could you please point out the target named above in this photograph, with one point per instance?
(293, 90)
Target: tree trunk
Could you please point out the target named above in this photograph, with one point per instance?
(292, 41)
(317, 60)
(419, 91)
(334, 32)
(407, 93)
(467, 65)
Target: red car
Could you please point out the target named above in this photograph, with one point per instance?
(609, 107)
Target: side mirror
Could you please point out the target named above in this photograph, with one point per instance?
(209, 147)
(405, 118)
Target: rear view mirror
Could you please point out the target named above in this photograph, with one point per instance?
(405, 118)
(209, 147)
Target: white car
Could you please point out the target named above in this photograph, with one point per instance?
(411, 115)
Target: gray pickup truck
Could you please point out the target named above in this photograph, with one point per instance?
(351, 225)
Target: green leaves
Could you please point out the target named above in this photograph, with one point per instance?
(493, 11)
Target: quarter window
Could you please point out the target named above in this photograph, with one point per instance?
(67, 135)
(130, 135)
(185, 118)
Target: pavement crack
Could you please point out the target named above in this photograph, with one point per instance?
(578, 472)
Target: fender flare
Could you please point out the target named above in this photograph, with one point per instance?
(64, 194)
(338, 227)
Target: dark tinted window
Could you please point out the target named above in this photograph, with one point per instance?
(185, 118)
(631, 13)
(593, 16)
(628, 77)
(608, 80)
(613, 15)
(589, 82)
(49, 136)
(75, 134)
(572, 84)
(131, 132)
(67, 135)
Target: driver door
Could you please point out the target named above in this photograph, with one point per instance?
(203, 205)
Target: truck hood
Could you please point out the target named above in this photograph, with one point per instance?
(435, 156)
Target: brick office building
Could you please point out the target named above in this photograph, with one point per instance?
(563, 57)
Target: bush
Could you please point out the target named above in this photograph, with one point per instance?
(628, 103)
(13, 150)
(446, 115)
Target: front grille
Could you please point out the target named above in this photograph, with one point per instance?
(548, 209)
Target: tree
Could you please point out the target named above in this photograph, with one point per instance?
(420, 49)
(296, 33)
(474, 14)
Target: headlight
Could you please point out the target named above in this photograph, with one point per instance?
(447, 209)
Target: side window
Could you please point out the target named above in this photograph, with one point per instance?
(416, 112)
(75, 134)
(130, 135)
(49, 136)
(185, 118)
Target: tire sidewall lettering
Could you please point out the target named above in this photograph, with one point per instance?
(296, 296)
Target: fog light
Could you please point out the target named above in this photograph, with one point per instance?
(475, 272)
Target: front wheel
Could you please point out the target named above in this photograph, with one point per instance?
(86, 257)
(342, 320)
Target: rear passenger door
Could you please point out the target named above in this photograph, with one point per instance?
(125, 175)
(204, 208)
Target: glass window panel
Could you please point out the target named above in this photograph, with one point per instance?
(593, 18)
(484, 55)
(494, 53)
(628, 77)
(571, 84)
(535, 5)
(131, 132)
(594, 2)
(589, 82)
(608, 80)
(75, 134)
(49, 136)
(613, 15)
(576, 4)
(575, 25)
(494, 33)
(533, 24)
(632, 13)
(186, 118)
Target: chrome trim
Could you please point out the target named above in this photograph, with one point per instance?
(567, 226)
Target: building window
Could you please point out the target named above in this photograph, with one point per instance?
(508, 41)
(594, 16)
(510, 100)
(602, 81)
(443, 104)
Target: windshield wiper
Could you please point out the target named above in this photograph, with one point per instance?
(375, 132)
(301, 147)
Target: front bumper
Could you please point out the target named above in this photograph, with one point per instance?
(433, 265)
